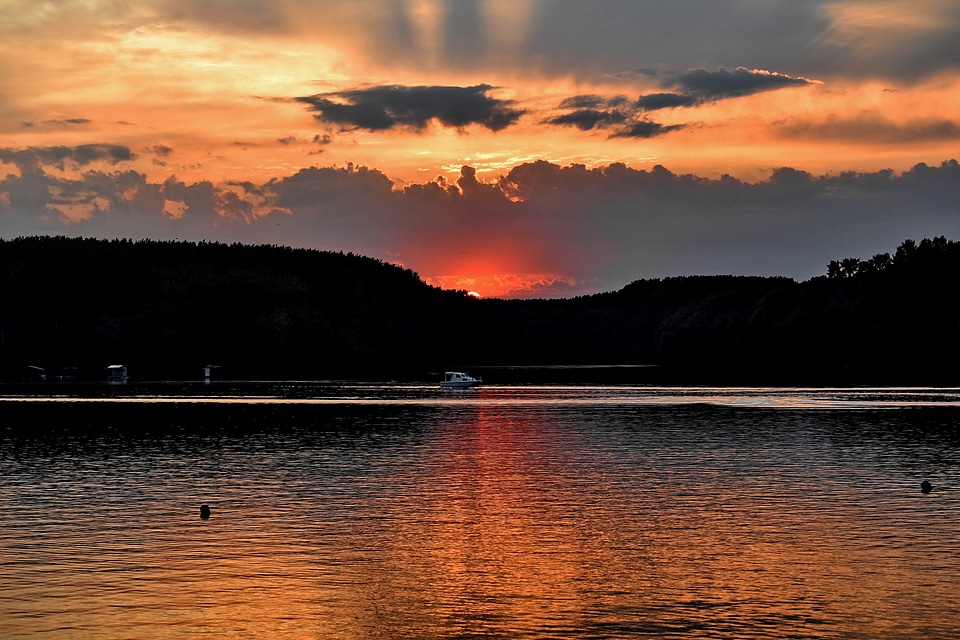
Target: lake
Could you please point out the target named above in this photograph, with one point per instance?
(405, 511)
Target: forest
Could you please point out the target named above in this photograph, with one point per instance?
(70, 307)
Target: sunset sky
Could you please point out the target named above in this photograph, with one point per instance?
(517, 148)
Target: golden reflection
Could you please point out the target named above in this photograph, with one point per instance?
(499, 548)
(487, 520)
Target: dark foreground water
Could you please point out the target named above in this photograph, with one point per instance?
(501, 512)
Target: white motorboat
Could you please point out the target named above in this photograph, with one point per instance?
(458, 380)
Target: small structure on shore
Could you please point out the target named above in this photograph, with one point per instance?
(117, 373)
(212, 372)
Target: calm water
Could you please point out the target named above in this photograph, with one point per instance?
(501, 512)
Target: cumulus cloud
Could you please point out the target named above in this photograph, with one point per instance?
(389, 106)
(581, 229)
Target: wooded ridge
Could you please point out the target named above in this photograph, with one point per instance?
(70, 307)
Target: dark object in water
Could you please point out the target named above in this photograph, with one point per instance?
(204, 511)
(925, 487)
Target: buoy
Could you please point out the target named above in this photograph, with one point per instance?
(925, 487)
(204, 511)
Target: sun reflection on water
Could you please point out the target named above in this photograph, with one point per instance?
(528, 512)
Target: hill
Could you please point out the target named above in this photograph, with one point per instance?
(165, 309)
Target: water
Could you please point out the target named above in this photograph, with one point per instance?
(379, 511)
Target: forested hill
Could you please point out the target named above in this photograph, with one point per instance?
(165, 309)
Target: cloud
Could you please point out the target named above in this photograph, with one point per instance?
(657, 101)
(581, 229)
(31, 158)
(694, 87)
(699, 86)
(243, 16)
(647, 129)
(895, 39)
(585, 119)
(68, 121)
(160, 150)
(593, 101)
(389, 106)
(870, 128)
(616, 114)
(732, 83)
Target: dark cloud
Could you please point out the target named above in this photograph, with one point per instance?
(590, 111)
(871, 128)
(68, 121)
(585, 119)
(571, 36)
(694, 87)
(161, 150)
(657, 101)
(731, 83)
(587, 101)
(699, 86)
(647, 129)
(627, 122)
(606, 225)
(31, 158)
(816, 38)
(112, 153)
(616, 114)
(385, 107)
(593, 101)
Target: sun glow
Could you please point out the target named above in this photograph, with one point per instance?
(507, 285)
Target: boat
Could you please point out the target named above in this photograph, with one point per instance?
(458, 380)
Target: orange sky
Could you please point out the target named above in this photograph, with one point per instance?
(252, 93)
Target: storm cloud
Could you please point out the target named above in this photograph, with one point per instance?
(389, 106)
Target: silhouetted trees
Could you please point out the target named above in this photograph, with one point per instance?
(165, 309)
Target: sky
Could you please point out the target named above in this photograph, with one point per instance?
(514, 148)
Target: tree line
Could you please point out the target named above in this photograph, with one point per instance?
(166, 309)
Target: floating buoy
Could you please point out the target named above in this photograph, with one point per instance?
(925, 487)
(204, 511)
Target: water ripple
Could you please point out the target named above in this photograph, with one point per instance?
(522, 514)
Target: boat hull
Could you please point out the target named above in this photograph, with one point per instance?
(458, 380)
